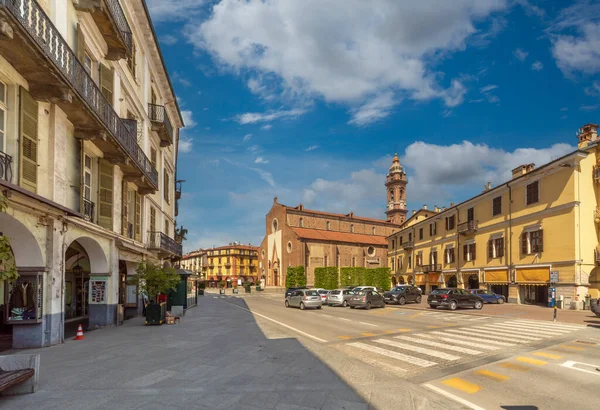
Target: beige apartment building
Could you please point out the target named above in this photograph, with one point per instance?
(89, 128)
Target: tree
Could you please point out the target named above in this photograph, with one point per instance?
(152, 279)
(180, 234)
(8, 266)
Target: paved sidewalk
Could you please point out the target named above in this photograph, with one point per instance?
(219, 357)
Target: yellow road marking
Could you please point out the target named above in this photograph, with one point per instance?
(418, 314)
(346, 337)
(368, 334)
(403, 330)
(462, 385)
(389, 332)
(433, 327)
(489, 374)
(514, 366)
(548, 355)
(572, 347)
(531, 361)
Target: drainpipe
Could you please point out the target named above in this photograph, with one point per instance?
(457, 244)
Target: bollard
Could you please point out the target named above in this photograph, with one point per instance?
(555, 309)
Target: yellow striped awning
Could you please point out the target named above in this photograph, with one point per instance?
(496, 276)
(533, 275)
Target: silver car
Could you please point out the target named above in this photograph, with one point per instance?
(304, 299)
(339, 297)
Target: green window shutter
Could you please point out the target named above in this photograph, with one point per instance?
(106, 82)
(29, 142)
(138, 217)
(124, 197)
(105, 197)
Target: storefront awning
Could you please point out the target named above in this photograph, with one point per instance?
(533, 275)
(420, 279)
(496, 276)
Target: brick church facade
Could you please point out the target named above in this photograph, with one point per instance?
(298, 236)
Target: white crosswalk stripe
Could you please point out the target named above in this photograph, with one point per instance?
(493, 335)
(460, 340)
(394, 355)
(448, 316)
(549, 325)
(440, 345)
(527, 329)
(478, 338)
(417, 349)
(517, 335)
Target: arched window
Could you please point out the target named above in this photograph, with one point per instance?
(391, 194)
(301, 222)
(275, 226)
(373, 230)
(352, 228)
(328, 225)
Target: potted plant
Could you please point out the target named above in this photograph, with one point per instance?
(235, 289)
(222, 290)
(247, 287)
(151, 280)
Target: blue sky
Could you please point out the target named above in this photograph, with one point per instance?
(308, 100)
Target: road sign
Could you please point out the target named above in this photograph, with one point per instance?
(554, 276)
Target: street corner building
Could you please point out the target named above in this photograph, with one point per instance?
(522, 238)
(296, 236)
(89, 128)
(233, 264)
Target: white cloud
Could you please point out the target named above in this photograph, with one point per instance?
(247, 137)
(564, 109)
(311, 148)
(261, 160)
(520, 54)
(531, 9)
(576, 38)
(594, 89)
(168, 39)
(188, 119)
(266, 127)
(349, 50)
(373, 110)
(589, 107)
(537, 66)
(488, 88)
(185, 145)
(265, 176)
(457, 167)
(173, 10)
(181, 80)
(255, 117)
(255, 148)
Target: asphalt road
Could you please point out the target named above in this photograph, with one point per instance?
(465, 356)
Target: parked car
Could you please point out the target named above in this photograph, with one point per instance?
(454, 298)
(304, 298)
(488, 296)
(339, 297)
(290, 290)
(361, 288)
(349, 287)
(366, 299)
(402, 294)
(322, 292)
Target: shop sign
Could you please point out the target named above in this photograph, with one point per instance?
(97, 291)
(554, 276)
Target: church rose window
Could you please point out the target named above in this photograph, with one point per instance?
(371, 251)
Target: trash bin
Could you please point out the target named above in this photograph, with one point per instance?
(587, 302)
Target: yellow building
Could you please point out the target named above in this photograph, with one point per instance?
(536, 231)
(234, 264)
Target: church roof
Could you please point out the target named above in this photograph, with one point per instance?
(300, 209)
(346, 237)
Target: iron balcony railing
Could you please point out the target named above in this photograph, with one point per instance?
(434, 267)
(597, 255)
(407, 245)
(596, 173)
(6, 171)
(467, 227)
(121, 22)
(419, 268)
(160, 241)
(47, 37)
(88, 210)
(158, 114)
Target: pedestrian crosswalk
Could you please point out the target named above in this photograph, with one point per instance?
(453, 317)
(408, 353)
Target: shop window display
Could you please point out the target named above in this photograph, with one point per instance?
(25, 299)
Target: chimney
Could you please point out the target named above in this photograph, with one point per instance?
(436, 208)
(425, 207)
(451, 204)
(275, 200)
(300, 207)
(443, 209)
(522, 170)
(587, 134)
(488, 186)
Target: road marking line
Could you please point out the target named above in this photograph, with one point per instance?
(477, 338)
(492, 375)
(572, 347)
(453, 397)
(342, 318)
(418, 314)
(462, 385)
(434, 327)
(531, 361)
(404, 330)
(367, 334)
(516, 334)
(389, 332)
(281, 324)
(514, 366)
(441, 345)
(393, 355)
(346, 337)
(570, 364)
(323, 314)
(368, 324)
(478, 318)
(540, 329)
(548, 355)
(551, 324)
(458, 341)
(417, 349)
(509, 337)
(537, 332)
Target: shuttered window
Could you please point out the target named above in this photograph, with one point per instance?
(153, 219)
(532, 242)
(469, 252)
(138, 217)
(450, 223)
(449, 255)
(433, 229)
(105, 195)
(533, 193)
(470, 214)
(131, 60)
(153, 157)
(124, 206)
(166, 185)
(29, 142)
(420, 233)
(497, 206)
(106, 82)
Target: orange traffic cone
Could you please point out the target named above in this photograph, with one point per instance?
(79, 334)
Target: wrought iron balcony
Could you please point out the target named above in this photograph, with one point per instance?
(597, 173)
(164, 245)
(37, 50)
(468, 227)
(161, 124)
(419, 268)
(88, 210)
(434, 267)
(6, 171)
(407, 245)
(597, 215)
(110, 19)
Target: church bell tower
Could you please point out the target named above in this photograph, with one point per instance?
(396, 193)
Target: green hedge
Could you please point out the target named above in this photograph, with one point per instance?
(381, 278)
(295, 277)
(326, 278)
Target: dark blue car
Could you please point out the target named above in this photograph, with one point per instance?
(488, 296)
